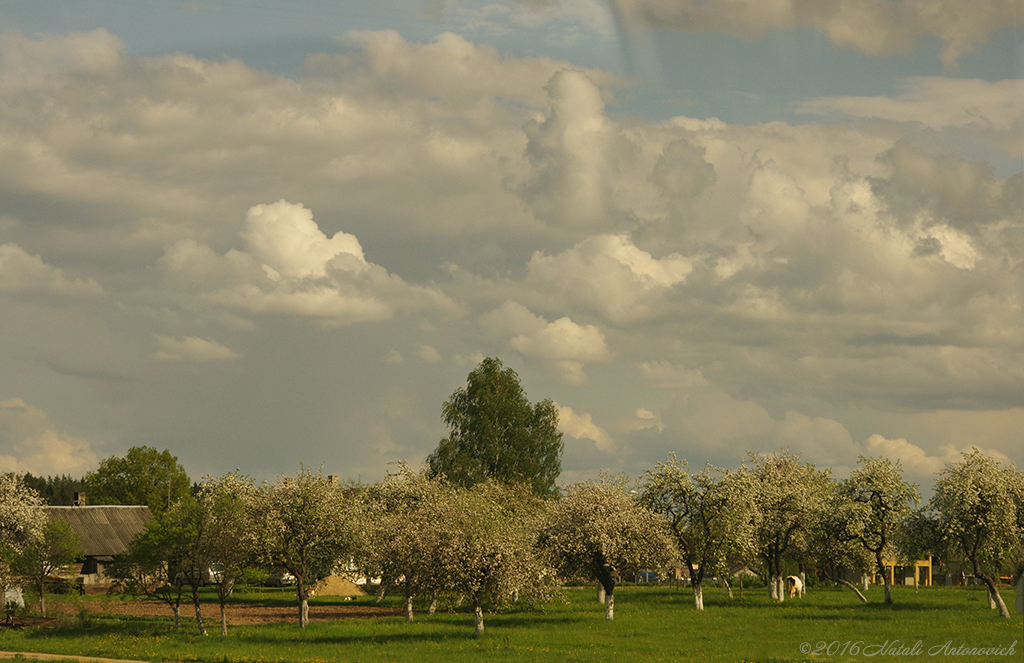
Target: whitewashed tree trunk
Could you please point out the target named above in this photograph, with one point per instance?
(199, 620)
(803, 583)
(609, 607)
(433, 603)
(698, 596)
(303, 612)
(600, 593)
(865, 578)
(408, 608)
(478, 618)
(725, 583)
(781, 582)
(773, 587)
(223, 620)
(177, 617)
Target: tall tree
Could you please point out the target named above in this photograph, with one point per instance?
(158, 561)
(831, 548)
(785, 492)
(709, 514)
(876, 505)
(977, 503)
(143, 476)
(598, 530)
(305, 525)
(53, 548)
(497, 434)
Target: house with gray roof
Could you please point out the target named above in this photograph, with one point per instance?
(105, 532)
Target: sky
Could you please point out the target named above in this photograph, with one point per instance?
(273, 235)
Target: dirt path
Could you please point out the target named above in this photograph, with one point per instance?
(63, 657)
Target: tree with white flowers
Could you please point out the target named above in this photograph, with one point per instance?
(599, 530)
(306, 526)
(709, 514)
(785, 493)
(875, 505)
(830, 545)
(228, 537)
(977, 507)
(21, 521)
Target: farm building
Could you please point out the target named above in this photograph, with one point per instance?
(105, 532)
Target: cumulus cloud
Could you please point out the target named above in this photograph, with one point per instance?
(918, 462)
(581, 426)
(611, 275)
(874, 27)
(191, 348)
(290, 267)
(29, 442)
(22, 272)
(569, 155)
(562, 345)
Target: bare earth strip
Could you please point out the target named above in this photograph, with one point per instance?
(237, 613)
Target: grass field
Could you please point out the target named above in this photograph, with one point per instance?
(651, 624)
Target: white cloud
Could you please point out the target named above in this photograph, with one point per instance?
(562, 345)
(936, 102)
(22, 272)
(875, 27)
(30, 443)
(581, 426)
(290, 267)
(611, 275)
(916, 461)
(191, 348)
(666, 375)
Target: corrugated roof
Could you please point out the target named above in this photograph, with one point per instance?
(104, 530)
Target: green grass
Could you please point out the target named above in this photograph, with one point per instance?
(651, 624)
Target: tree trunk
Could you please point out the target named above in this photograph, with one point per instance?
(843, 581)
(803, 583)
(773, 586)
(176, 608)
(993, 594)
(199, 614)
(865, 578)
(408, 607)
(300, 594)
(433, 602)
(609, 606)
(698, 595)
(886, 578)
(42, 597)
(725, 583)
(781, 581)
(478, 617)
(600, 593)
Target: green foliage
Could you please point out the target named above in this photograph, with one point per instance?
(56, 490)
(55, 547)
(143, 476)
(497, 434)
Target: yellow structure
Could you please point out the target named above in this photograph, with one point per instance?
(922, 571)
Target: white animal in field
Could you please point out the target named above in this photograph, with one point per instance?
(794, 586)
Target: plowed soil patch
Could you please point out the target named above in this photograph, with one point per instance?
(237, 613)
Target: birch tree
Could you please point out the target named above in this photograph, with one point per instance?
(785, 493)
(600, 531)
(977, 503)
(304, 526)
(709, 514)
(21, 520)
(876, 504)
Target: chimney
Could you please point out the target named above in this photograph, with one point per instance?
(332, 479)
(79, 499)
